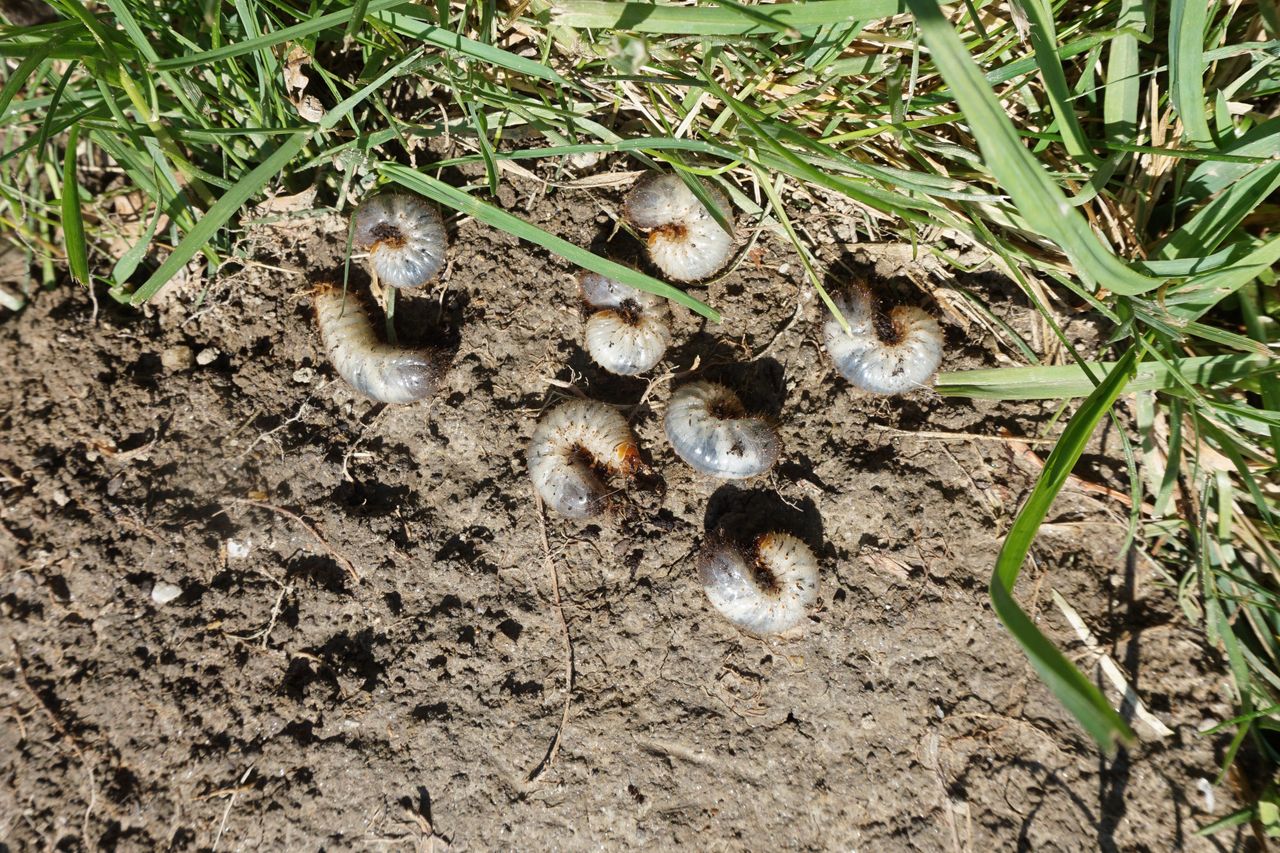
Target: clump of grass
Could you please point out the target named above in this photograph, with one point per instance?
(1098, 156)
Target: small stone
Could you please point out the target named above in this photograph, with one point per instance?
(585, 161)
(163, 593)
(177, 358)
(1205, 787)
(504, 644)
(304, 375)
(237, 550)
(784, 269)
(208, 355)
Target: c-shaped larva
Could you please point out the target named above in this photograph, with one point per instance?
(376, 369)
(404, 236)
(684, 241)
(708, 428)
(572, 447)
(884, 352)
(764, 589)
(630, 329)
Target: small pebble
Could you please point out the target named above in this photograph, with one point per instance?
(584, 161)
(304, 375)
(1205, 787)
(206, 356)
(237, 550)
(163, 593)
(177, 358)
(504, 644)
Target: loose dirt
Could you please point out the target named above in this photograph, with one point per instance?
(381, 641)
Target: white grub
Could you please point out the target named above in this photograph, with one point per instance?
(573, 447)
(404, 236)
(629, 329)
(708, 428)
(884, 352)
(374, 368)
(764, 589)
(684, 241)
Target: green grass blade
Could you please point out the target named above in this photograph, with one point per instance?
(19, 78)
(46, 126)
(1236, 818)
(1214, 222)
(1186, 66)
(72, 219)
(218, 215)
(1040, 201)
(1191, 300)
(297, 32)
(1212, 176)
(358, 10)
(1062, 382)
(1123, 87)
(410, 22)
(761, 16)
(456, 199)
(132, 257)
(731, 20)
(1269, 385)
(1079, 695)
(342, 110)
(1044, 40)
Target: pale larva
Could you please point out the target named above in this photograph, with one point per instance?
(574, 446)
(884, 352)
(708, 428)
(629, 329)
(764, 589)
(376, 369)
(684, 241)
(404, 236)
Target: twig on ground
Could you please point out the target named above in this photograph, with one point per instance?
(569, 672)
(1110, 669)
(346, 564)
(293, 419)
(1024, 450)
(661, 380)
(264, 633)
(355, 444)
(227, 811)
(1005, 438)
(20, 668)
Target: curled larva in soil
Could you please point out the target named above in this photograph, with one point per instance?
(404, 236)
(684, 241)
(373, 367)
(763, 589)
(709, 428)
(575, 446)
(629, 329)
(884, 352)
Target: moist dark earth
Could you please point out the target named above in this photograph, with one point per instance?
(376, 626)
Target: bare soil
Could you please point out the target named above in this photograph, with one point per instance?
(381, 641)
